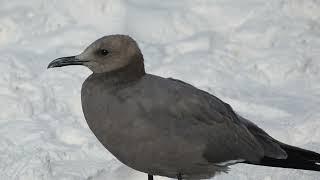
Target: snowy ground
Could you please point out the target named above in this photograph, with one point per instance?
(262, 57)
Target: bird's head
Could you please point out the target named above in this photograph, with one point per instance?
(106, 54)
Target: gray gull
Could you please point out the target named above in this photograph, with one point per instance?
(163, 126)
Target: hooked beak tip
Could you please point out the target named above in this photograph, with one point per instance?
(50, 65)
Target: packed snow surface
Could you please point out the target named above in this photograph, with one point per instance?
(262, 57)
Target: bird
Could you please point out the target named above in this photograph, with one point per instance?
(167, 127)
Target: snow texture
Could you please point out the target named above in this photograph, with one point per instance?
(262, 57)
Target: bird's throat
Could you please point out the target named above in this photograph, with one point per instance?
(131, 72)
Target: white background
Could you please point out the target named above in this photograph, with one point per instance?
(262, 57)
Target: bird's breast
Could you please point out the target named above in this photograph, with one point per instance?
(115, 121)
(134, 135)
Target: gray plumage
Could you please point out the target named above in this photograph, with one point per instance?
(162, 126)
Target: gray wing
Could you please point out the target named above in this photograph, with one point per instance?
(229, 139)
(197, 116)
(272, 148)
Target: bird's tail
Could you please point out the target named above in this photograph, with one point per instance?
(297, 159)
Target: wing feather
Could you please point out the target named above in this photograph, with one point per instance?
(228, 138)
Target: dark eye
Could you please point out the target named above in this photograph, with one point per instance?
(104, 52)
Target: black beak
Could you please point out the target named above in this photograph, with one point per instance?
(65, 61)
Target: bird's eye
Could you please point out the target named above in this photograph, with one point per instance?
(104, 52)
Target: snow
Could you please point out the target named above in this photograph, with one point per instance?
(262, 57)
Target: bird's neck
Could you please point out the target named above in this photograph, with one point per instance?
(131, 72)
